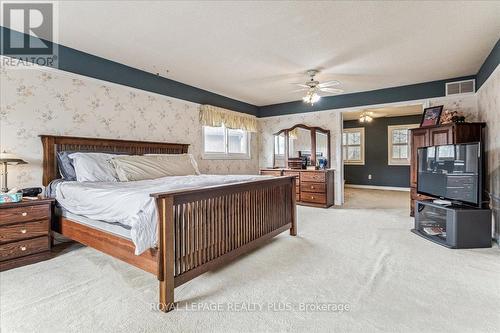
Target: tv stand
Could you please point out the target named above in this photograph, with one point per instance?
(456, 227)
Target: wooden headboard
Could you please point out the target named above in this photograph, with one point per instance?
(53, 144)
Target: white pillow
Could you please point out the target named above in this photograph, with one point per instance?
(182, 157)
(94, 167)
(131, 168)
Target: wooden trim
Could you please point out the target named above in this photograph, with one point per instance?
(53, 144)
(224, 259)
(293, 227)
(166, 256)
(205, 228)
(199, 229)
(115, 246)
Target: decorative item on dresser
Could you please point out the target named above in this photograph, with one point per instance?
(24, 232)
(438, 135)
(312, 187)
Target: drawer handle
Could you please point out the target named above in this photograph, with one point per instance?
(23, 248)
(23, 231)
(24, 214)
(312, 197)
(312, 187)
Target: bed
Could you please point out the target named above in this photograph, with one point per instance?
(199, 229)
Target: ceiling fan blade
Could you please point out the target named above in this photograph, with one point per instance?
(300, 85)
(301, 89)
(329, 84)
(332, 90)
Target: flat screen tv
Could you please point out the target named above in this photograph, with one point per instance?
(451, 172)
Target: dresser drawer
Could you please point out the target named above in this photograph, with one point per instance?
(275, 173)
(24, 214)
(291, 173)
(312, 176)
(14, 232)
(318, 198)
(312, 187)
(23, 248)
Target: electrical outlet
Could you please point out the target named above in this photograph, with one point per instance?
(369, 176)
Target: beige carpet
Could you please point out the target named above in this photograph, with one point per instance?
(391, 279)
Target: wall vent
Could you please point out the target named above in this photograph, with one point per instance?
(461, 87)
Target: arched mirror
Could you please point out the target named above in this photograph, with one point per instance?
(301, 147)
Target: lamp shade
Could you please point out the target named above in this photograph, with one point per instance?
(11, 159)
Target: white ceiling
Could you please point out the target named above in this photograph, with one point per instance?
(395, 111)
(252, 51)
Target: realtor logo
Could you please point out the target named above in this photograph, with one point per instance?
(28, 34)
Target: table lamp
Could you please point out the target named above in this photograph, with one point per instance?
(6, 159)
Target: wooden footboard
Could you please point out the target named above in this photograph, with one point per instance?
(202, 229)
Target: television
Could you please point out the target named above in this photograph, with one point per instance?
(451, 172)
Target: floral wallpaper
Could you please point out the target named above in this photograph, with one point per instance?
(44, 101)
(488, 101)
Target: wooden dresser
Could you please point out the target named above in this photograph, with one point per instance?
(24, 232)
(313, 187)
(435, 136)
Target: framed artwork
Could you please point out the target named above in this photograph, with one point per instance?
(431, 116)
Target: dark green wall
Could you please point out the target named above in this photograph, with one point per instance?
(82, 63)
(75, 61)
(376, 152)
(490, 64)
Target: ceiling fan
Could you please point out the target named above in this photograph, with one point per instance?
(313, 87)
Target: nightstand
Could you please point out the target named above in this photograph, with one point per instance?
(25, 235)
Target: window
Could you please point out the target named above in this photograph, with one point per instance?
(225, 143)
(399, 144)
(353, 146)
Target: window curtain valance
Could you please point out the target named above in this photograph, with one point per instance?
(214, 116)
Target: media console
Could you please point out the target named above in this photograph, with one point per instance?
(453, 226)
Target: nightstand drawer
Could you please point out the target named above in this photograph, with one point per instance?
(318, 198)
(23, 248)
(24, 214)
(16, 232)
(311, 176)
(312, 187)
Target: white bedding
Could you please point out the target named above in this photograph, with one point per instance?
(129, 203)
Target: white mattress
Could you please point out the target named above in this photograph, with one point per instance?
(130, 203)
(112, 228)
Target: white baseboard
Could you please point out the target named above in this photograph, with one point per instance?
(384, 188)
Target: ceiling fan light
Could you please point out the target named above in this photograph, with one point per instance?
(315, 98)
(365, 118)
(311, 98)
